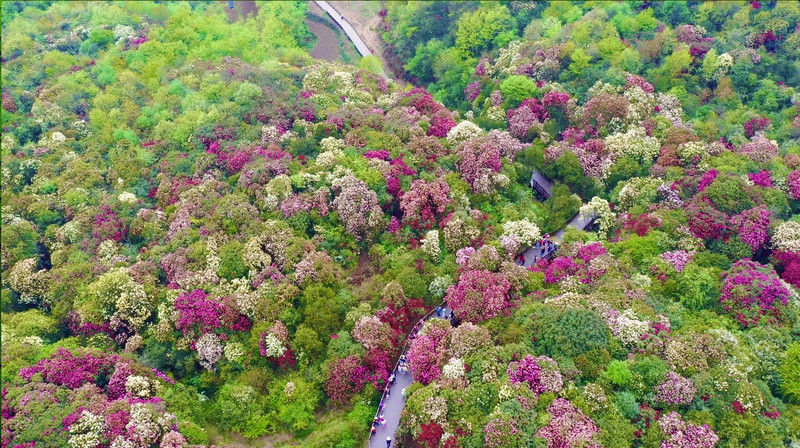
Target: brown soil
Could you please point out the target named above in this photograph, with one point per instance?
(240, 8)
(327, 46)
(365, 270)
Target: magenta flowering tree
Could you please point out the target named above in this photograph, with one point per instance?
(71, 369)
(422, 101)
(793, 182)
(705, 221)
(762, 179)
(479, 295)
(198, 314)
(755, 125)
(753, 226)
(540, 373)
(472, 91)
(441, 123)
(752, 291)
(568, 427)
(480, 160)
(107, 225)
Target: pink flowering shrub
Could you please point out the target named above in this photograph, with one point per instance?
(346, 377)
(472, 91)
(760, 149)
(425, 203)
(761, 178)
(198, 314)
(793, 182)
(427, 354)
(422, 101)
(480, 159)
(441, 124)
(107, 225)
(528, 113)
(540, 373)
(568, 427)
(679, 434)
(357, 206)
(705, 221)
(753, 226)
(71, 370)
(373, 333)
(677, 258)
(751, 292)
(676, 390)
(789, 262)
(479, 295)
(501, 433)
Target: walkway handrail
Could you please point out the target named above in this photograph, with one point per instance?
(403, 352)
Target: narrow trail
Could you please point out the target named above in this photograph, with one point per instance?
(393, 399)
(348, 29)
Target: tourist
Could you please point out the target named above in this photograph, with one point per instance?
(439, 311)
(388, 442)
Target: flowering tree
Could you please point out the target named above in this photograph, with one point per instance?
(568, 427)
(357, 206)
(346, 377)
(540, 373)
(479, 295)
(751, 292)
(676, 390)
(425, 203)
(373, 333)
(679, 434)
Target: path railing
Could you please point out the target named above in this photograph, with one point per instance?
(415, 329)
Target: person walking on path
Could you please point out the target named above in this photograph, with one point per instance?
(388, 442)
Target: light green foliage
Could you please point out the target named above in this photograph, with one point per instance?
(488, 26)
(789, 372)
(516, 88)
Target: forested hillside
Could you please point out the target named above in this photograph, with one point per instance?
(211, 238)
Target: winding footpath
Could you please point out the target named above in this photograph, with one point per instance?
(393, 399)
(345, 25)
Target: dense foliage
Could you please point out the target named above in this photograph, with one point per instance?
(208, 236)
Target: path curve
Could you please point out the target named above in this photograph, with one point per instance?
(348, 29)
(393, 400)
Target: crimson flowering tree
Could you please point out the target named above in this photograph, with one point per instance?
(441, 123)
(789, 262)
(755, 125)
(107, 225)
(479, 295)
(751, 292)
(422, 101)
(430, 435)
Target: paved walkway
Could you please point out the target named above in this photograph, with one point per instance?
(393, 403)
(348, 29)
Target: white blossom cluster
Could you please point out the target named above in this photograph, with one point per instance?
(139, 386)
(430, 244)
(526, 232)
(273, 347)
(438, 286)
(209, 350)
(454, 369)
(234, 351)
(463, 131)
(87, 431)
(635, 143)
(599, 207)
(787, 236)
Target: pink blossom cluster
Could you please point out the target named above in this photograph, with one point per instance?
(346, 377)
(790, 263)
(472, 91)
(753, 226)
(426, 355)
(107, 225)
(422, 101)
(679, 434)
(357, 206)
(752, 291)
(523, 117)
(69, 369)
(760, 149)
(694, 36)
(676, 390)
(540, 373)
(669, 194)
(705, 221)
(441, 123)
(425, 203)
(707, 179)
(568, 427)
(793, 182)
(580, 266)
(638, 81)
(762, 178)
(677, 258)
(198, 314)
(479, 295)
